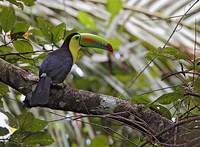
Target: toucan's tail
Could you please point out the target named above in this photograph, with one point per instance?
(41, 94)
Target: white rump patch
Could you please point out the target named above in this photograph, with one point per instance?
(43, 75)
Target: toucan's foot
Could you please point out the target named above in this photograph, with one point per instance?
(58, 86)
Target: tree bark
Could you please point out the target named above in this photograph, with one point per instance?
(68, 99)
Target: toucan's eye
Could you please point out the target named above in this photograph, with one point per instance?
(77, 37)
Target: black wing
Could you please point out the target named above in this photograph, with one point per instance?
(57, 65)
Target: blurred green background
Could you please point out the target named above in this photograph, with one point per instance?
(138, 31)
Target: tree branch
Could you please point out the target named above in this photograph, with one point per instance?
(68, 99)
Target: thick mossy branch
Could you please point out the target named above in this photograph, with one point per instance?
(16, 77)
(69, 99)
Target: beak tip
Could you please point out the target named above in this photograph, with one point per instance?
(110, 48)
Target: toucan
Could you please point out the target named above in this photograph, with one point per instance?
(56, 66)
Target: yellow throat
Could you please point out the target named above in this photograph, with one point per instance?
(74, 47)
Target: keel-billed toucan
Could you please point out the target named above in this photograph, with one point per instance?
(58, 63)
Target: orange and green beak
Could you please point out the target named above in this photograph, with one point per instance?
(94, 41)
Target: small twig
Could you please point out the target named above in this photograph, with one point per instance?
(25, 57)
(24, 53)
(195, 48)
(180, 72)
(187, 112)
(192, 94)
(134, 124)
(6, 44)
(159, 89)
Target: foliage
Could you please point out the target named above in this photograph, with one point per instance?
(137, 32)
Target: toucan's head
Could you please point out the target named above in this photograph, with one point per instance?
(86, 40)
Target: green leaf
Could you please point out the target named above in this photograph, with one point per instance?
(29, 2)
(87, 20)
(45, 27)
(58, 32)
(28, 122)
(7, 18)
(12, 122)
(41, 56)
(162, 111)
(140, 99)
(21, 27)
(38, 37)
(0, 29)
(197, 85)
(3, 131)
(3, 89)
(36, 32)
(19, 135)
(99, 141)
(5, 49)
(23, 46)
(169, 98)
(114, 6)
(41, 138)
(168, 52)
(174, 52)
(115, 43)
(31, 138)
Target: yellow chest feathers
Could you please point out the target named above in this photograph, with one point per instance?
(74, 47)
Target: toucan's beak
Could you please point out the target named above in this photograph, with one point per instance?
(94, 41)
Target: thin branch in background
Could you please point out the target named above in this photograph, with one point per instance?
(71, 118)
(26, 58)
(106, 128)
(24, 53)
(20, 54)
(180, 72)
(6, 44)
(10, 99)
(169, 87)
(152, 60)
(133, 124)
(187, 112)
(167, 18)
(173, 145)
(77, 118)
(192, 94)
(121, 137)
(9, 141)
(194, 54)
